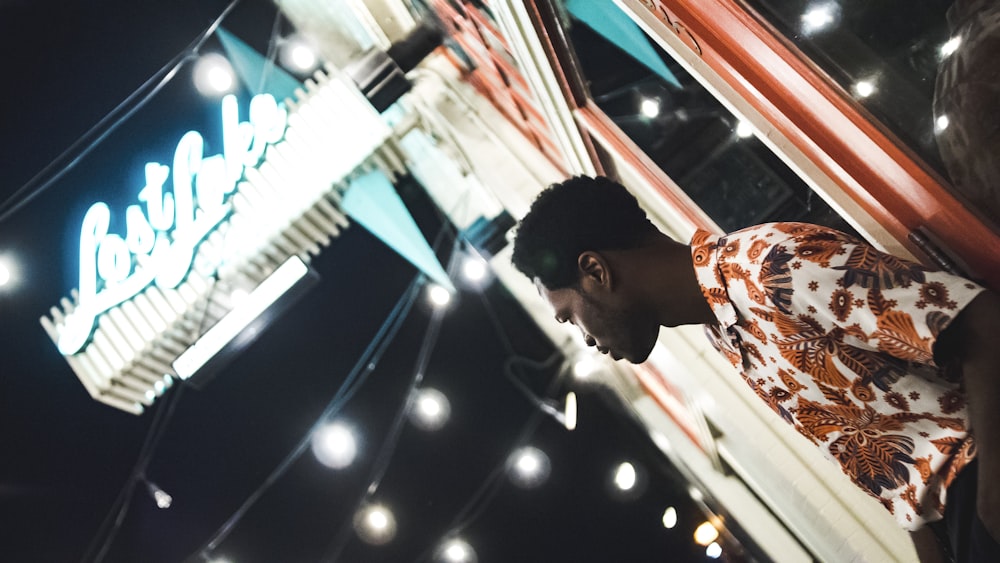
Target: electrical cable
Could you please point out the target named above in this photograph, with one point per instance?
(272, 51)
(118, 509)
(56, 170)
(365, 365)
(491, 486)
(388, 448)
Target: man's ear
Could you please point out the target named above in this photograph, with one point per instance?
(594, 269)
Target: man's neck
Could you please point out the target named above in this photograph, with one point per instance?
(679, 298)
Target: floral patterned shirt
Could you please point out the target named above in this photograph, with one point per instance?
(837, 338)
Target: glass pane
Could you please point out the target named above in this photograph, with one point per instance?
(927, 70)
(689, 134)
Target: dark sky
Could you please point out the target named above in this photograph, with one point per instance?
(66, 457)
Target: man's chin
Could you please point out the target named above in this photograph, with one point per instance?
(640, 356)
(635, 358)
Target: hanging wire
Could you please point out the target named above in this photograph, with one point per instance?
(116, 516)
(481, 499)
(389, 444)
(483, 496)
(362, 368)
(94, 136)
(272, 52)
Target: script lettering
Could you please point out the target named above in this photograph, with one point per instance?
(162, 237)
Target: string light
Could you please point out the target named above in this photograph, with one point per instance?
(5, 272)
(213, 75)
(941, 123)
(298, 55)
(625, 476)
(669, 517)
(473, 269)
(649, 107)
(864, 88)
(162, 499)
(714, 550)
(334, 445)
(529, 467)
(375, 524)
(430, 409)
(438, 295)
(628, 481)
(744, 129)
(456, 550)
(569, 418)
(705, 533)
(819, 17)
(950, 46)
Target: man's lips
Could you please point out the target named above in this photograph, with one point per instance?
(609, 352)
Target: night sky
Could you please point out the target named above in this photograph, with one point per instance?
(67, 457)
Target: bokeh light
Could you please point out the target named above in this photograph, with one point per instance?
(375, 524)
(213, 75)
(625, 476)
(529, 467)
(430, 409)
(649, 107)
(864, 88)
(298, 55)
(820, 17)
(473, 269)
(669, 517)
(585, 367)
(714, 550)
(744, 129)
(8, 273)
(334, 445)
(438, 295)
(950, 46)
(455, 550)
(705, 534)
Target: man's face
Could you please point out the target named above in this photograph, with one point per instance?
(606, 320)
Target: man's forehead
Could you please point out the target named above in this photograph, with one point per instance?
(556, 298)
(543, 291)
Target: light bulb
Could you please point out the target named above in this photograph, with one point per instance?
(705, 534)
(439, 295)
(529, 467)
(864, 88)
(334, 445)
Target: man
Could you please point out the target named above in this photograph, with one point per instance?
(885, 365)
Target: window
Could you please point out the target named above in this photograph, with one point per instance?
(925, 70)
(692, 137)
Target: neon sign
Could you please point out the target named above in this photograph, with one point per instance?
(163, 231)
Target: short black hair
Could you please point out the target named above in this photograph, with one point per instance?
(574, 216)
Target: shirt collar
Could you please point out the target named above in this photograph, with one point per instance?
(705, 255)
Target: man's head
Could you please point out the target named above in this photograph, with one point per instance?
(575, 244)
(571, 217)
